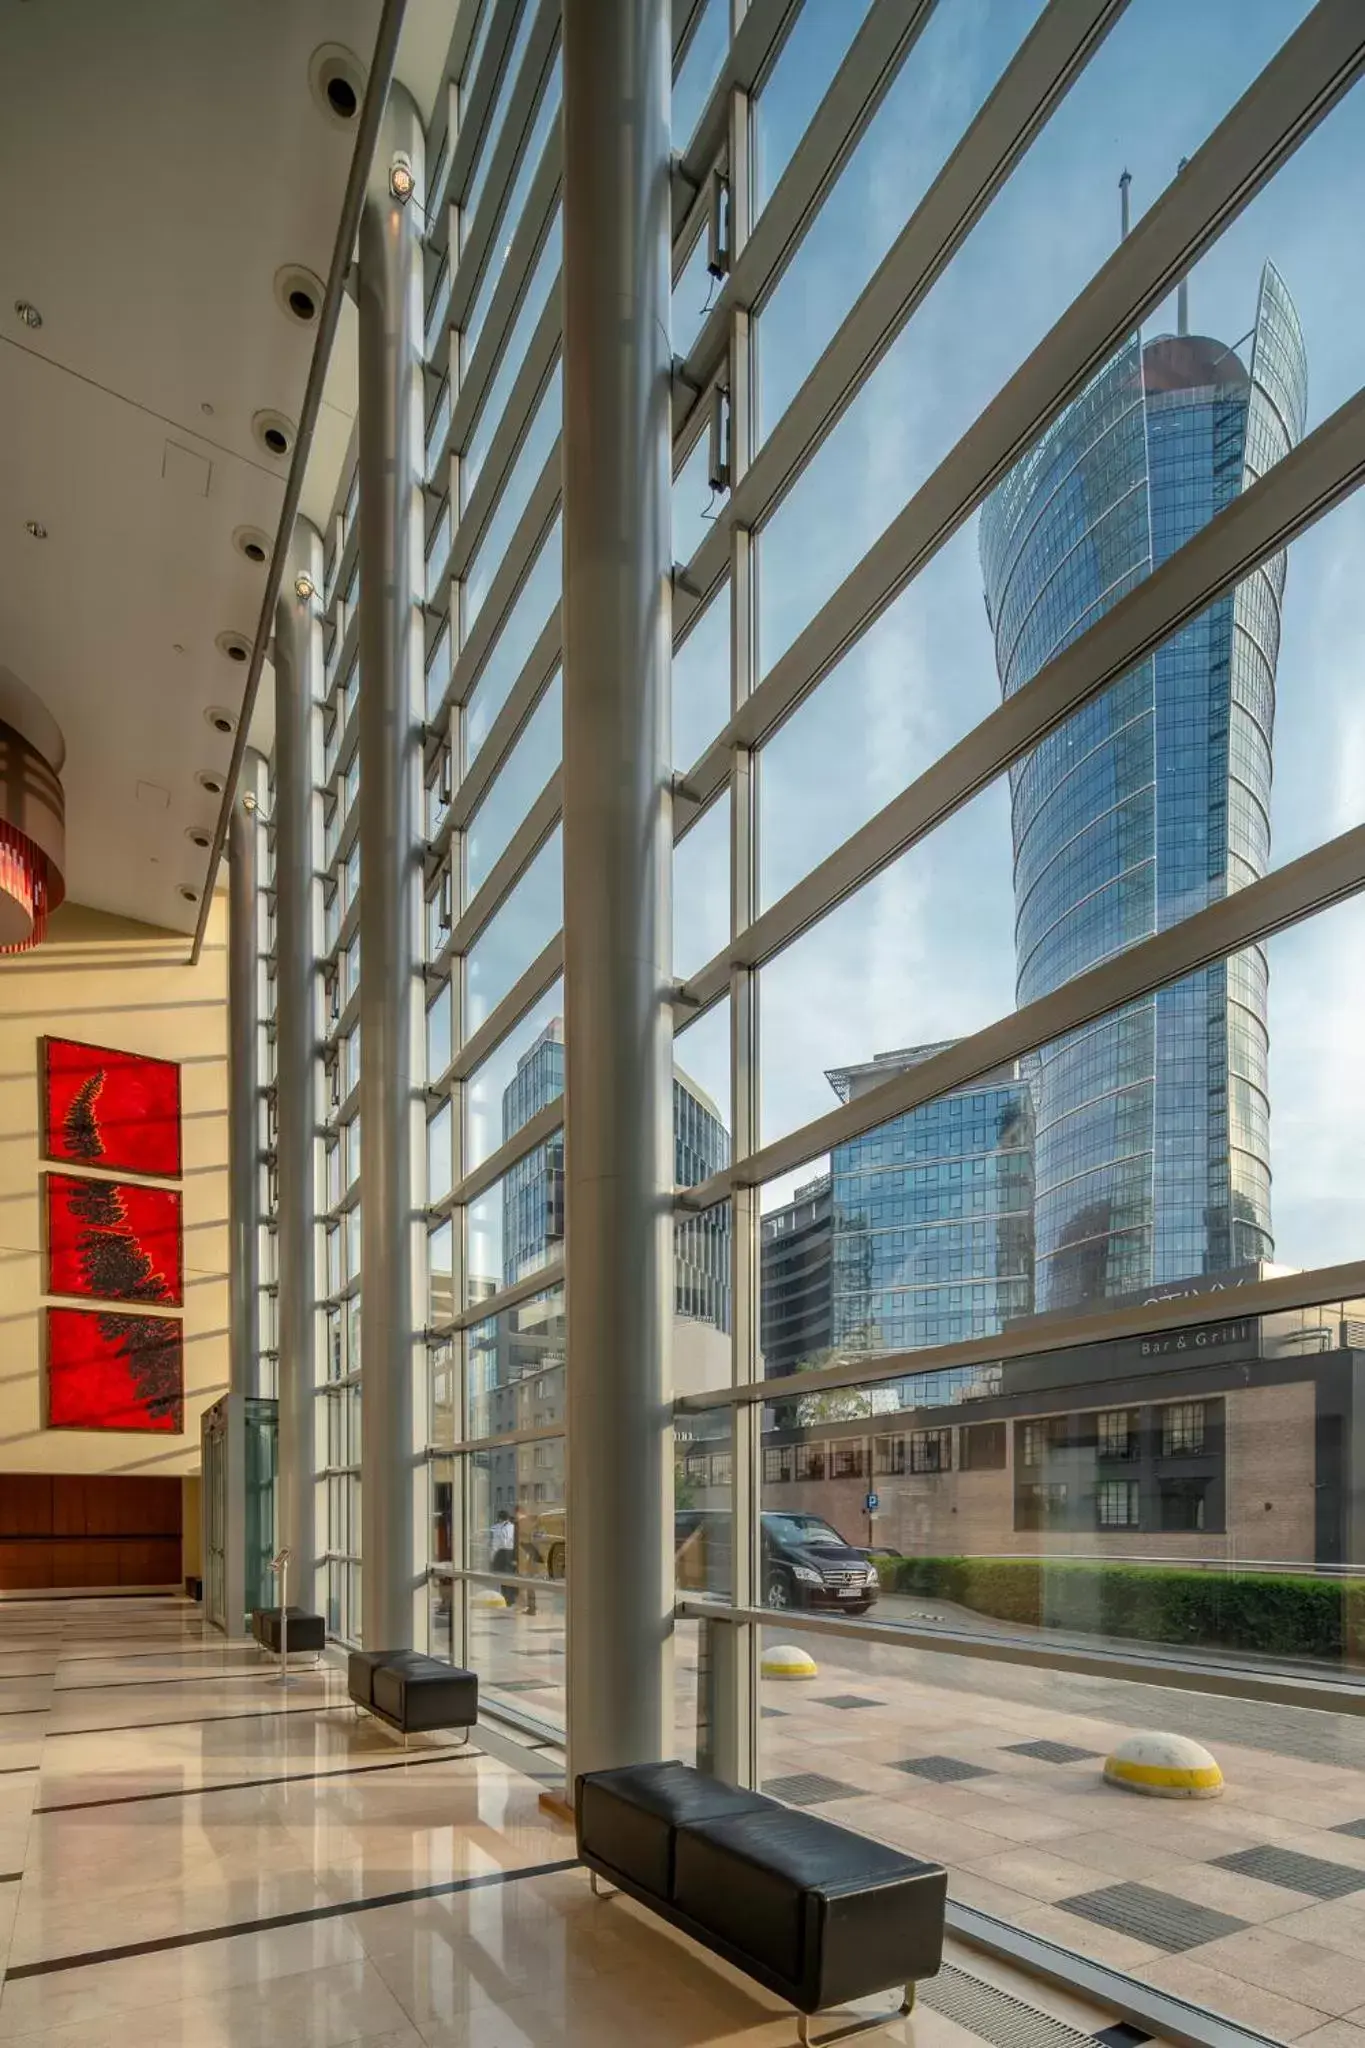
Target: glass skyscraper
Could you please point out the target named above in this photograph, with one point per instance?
(1153, 800)
(932, 1213)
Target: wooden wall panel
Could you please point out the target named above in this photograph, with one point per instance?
(61, 1530)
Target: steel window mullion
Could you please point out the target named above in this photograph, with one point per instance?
(478, 105)
(506, 728)
(542, 1281)
(534, 524)
(1325, 467)
(545, 1433)
(1227, 1680)
(535, 69)
(857, 90)
(505, 446)
(542, 973)
(1316, 880)
(521, 849)
(522, 256)
(757, 34)
(1263, 1297)
(548, 1119)
(1317, 65)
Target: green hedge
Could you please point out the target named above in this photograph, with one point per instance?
(1276, 1614)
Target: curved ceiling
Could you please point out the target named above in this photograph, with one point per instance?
(160, 162)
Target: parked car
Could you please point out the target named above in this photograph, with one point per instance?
(804, 1561)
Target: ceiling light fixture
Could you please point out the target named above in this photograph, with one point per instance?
(28, 313)
(35, 529)
(32, 816)
(401, 180)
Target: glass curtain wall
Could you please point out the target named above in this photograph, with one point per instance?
(338, 1370)
(1018, 918)
(1017, 895)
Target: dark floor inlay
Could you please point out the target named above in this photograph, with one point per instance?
(1159, 1918)
(197, 1720)
(1123, 2034)
(10, 1876)
(1296, 1872)
(451, 1889)
(845, 1700)
(809, 1788)
(401, 1763)
(775, 1714)
(518, 1684)
(1350, 1827)
(1052, 1752)
(940, 1770)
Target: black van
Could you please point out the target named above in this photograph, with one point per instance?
(804, 1561)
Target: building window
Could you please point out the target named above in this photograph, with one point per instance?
(1184, 1504)
(981, 1447)
(777, 1465)
(889, 1456)
(931, 1450)
(848, 1460)
(1182, 1431)
(1117, 1504)
(810, 1461)
(1043, 1506)
(720, 1468)
(1117, 1435)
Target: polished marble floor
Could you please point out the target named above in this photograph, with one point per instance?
(191, 1854)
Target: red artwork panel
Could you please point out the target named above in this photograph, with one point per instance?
(114, 1240)
(110, 1371)
(114, 1109)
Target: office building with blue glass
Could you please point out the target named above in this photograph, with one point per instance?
(932, 1213)
(1152, 1126)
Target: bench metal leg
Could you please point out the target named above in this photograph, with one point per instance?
(600, 1890)
(805, 2039)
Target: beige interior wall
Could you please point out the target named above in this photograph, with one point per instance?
(113, 982)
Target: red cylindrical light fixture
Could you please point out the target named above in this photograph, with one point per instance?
(32, 816)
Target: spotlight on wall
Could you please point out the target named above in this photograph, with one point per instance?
(304, 588)
(401, 180)
(28, 313)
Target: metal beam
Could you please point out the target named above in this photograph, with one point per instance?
(1317, 65)
(1282, 898)
(1316, 475)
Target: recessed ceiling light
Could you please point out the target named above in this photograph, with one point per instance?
(211, 780)
(221, 720)
(253, 543)
(28, 313)
(299, 293)
(235, 646)
(337, 78)
(273, 432)
(206, 409)
(177, 647)
(200, 836)
(190, 895)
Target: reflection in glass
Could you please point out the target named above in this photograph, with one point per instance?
(498, 1096)
(701, 682)
(516, 786)
(528, 919)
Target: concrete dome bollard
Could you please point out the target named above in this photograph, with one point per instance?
(785, 1660)
(487, 1600)
(1164, 1767)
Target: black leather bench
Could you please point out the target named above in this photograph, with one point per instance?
(814, 1912)
(306, 1631)
(412, 1693)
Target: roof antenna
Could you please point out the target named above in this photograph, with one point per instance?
(1182, 295)
(1124, 182)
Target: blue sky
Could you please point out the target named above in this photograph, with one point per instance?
(927, 949)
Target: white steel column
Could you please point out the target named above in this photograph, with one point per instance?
(244, 1081)
(392, 1060)
(617, 863)
(298, 690)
